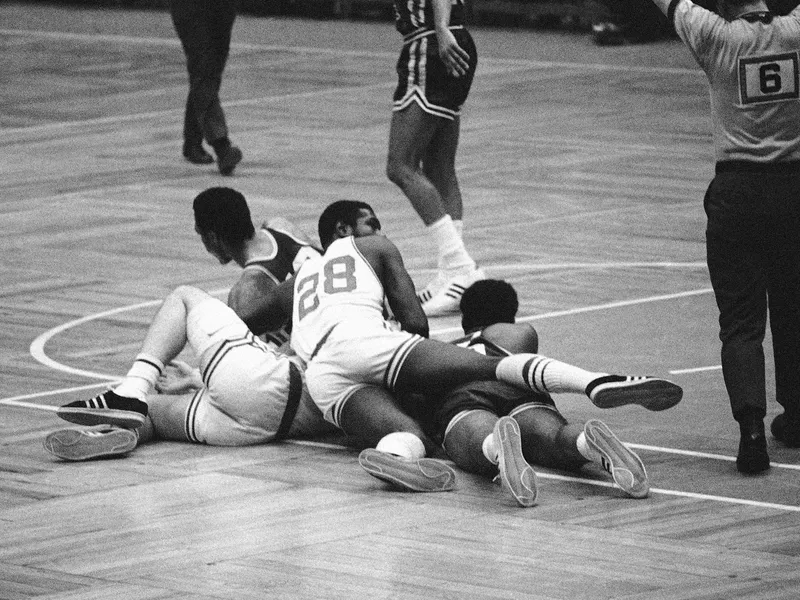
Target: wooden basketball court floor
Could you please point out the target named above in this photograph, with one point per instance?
(583, 170)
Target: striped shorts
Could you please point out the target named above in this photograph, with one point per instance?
(351, 359)
(423, 78)
(247, 384)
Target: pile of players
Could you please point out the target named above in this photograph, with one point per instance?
(409, 402)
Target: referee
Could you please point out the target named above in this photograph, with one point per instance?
(750, 57)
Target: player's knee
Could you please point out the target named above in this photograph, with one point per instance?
(463, 441)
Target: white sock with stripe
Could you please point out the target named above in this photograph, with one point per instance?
(141, 378)
(453, 256)
(545, 375)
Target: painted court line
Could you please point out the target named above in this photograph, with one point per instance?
(38, 352)
(608, 484)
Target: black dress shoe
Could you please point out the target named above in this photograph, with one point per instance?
(228, 158)
(197, 155)
(753, 457)
(786, 429)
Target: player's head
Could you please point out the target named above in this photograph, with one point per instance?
(347, 217)
(223, 220)
(487, 302)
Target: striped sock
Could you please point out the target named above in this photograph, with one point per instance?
(544, 375)
(141, 378)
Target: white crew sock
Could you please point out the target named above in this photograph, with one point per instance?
(141, 378)
(459, 225)
(545, 375)
(586, 450)
(489, 449)
(453, 256)
(403, 444)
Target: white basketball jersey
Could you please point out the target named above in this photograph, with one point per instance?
(753, 67)
(340, 287)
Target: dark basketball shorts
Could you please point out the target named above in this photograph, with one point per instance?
(493, 396)
(423, 78)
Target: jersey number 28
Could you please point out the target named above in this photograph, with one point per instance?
(338, 276)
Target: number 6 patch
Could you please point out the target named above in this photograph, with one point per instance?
(768, 78)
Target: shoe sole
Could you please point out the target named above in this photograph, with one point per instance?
(625, 467)
(77, 445)
(101, 416)
(651, 393)
(233, 158)
(422, 475)
(516, 475)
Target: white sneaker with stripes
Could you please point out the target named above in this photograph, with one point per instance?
(611, 391)
(622, 463)
(443, 296)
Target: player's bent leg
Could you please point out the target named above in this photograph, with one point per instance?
(372, 415)
(465, 441)
(620, 461)
(548, 440)
(99, 441)
(169, 416)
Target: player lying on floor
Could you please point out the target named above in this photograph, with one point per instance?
(336, 303)
(488, 425)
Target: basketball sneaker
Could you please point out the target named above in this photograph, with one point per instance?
(516, 475)
(99, 441)
(108, 408)
(443, 296)
(624, 466)
(611, 391)
(420, 475)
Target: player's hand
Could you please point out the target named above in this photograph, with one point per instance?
(179, 378)
(455, 58)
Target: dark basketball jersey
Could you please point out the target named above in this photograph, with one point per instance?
(411, 16)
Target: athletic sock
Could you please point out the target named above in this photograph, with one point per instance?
(544, 375)
(403, 444)
(489, 449)
(453, 256)
(141, 378)
(586, 450)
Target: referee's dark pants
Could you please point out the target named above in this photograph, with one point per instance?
(753, 251)
(204, 28)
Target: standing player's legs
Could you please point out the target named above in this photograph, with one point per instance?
(783, 291)
(415, 137)
(432, 366)
(735, 247)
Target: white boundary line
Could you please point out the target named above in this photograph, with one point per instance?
(608, 484)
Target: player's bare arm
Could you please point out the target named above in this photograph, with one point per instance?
(454, 56)
(398, 286)
(272, 310)
(248, 295)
